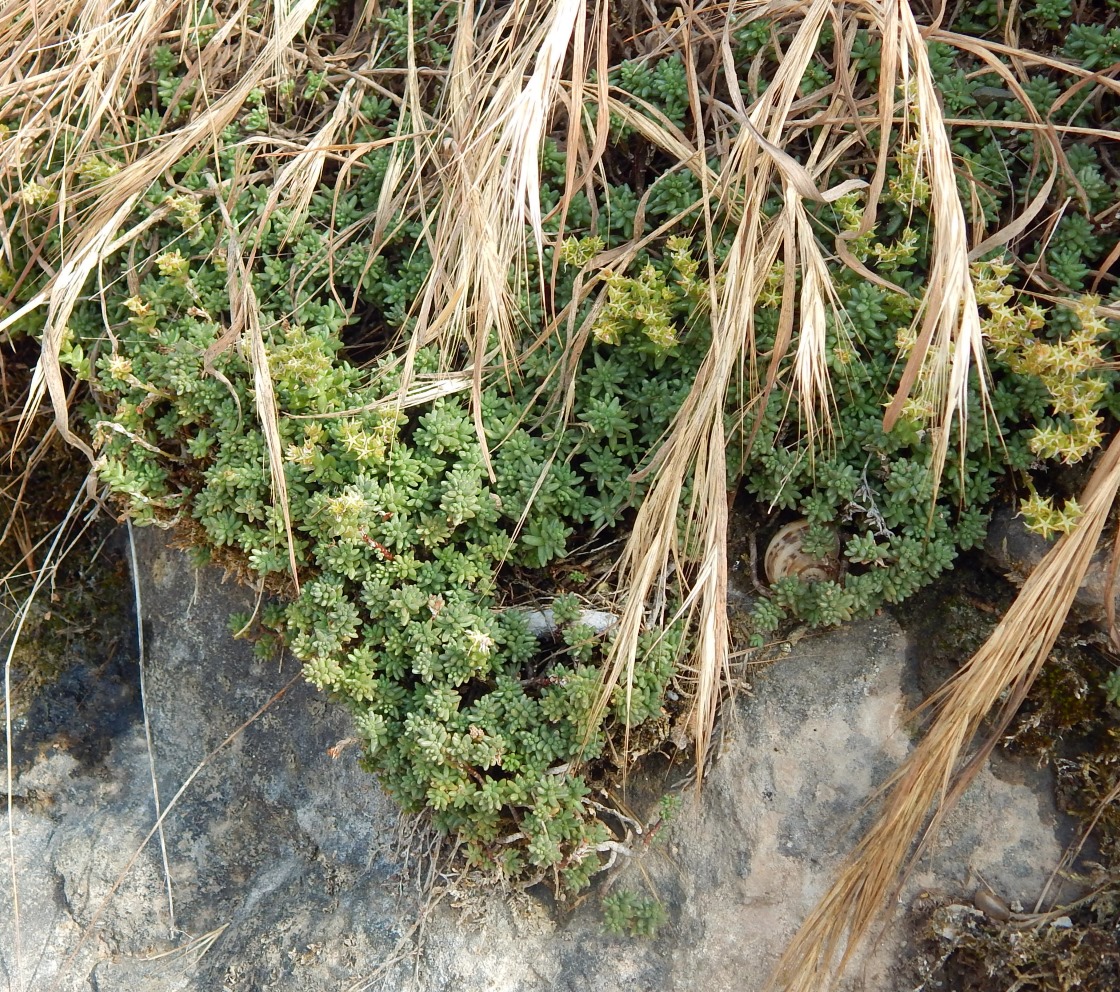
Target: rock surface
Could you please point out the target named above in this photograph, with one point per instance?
(287, 869)
(1016, 552)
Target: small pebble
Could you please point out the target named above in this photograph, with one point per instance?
(991, 905)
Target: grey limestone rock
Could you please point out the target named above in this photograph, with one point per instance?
(287, 873)
(1016, 551)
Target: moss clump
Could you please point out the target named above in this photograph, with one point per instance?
(972, 953)
(628, 912)
(80, 612)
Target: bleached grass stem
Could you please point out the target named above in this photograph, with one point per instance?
(141, 662)
(949, 343)
(112, 210)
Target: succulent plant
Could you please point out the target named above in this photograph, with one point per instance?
(406, 532)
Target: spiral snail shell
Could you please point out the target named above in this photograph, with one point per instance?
(785, 558)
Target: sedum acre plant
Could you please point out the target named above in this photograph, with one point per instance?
(419, 528)
(399, 534)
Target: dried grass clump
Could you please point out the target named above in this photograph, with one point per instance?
(519, 72)
(948, 343)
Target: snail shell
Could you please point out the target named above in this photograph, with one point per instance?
(785, 558)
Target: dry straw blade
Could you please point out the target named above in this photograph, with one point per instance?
(506, 77)
(97, 48)
(245, 323)
(949, 343)
(299, 178)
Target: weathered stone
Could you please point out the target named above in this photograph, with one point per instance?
(284, 861)
(1016, 552)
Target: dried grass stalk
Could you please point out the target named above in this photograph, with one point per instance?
(696, 445)
(245, 323)
(506, 77)
(950, 342)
